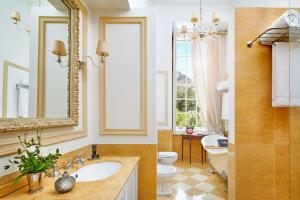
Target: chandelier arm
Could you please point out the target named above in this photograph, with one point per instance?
(200, 11)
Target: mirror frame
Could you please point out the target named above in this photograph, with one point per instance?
(18, 124)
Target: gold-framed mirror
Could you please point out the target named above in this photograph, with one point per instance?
(39, 71)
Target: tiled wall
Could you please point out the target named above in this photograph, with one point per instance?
(294, 153)
(164, 138)
(146, 168)
(262, 132)
(195, 146)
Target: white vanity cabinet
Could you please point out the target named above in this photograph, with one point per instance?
(130, 188)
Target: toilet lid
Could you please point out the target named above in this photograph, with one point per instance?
(165, 169)
(167, 155)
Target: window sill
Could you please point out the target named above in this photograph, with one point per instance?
(198, 130)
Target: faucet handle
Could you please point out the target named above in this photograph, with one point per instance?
(79, 159)
(78, 156)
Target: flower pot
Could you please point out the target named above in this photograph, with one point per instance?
(35, 182)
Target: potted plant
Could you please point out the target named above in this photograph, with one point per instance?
(33, 160)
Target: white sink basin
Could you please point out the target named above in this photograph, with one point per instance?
(96, 171)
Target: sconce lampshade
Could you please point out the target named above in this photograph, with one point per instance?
(15, 16)
(216, 18)
(102, 49)
(59, 48)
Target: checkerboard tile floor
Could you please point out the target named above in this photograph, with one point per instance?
(195, 183)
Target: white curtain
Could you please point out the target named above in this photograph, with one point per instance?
(208, 60)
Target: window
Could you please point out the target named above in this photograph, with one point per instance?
(187, 109)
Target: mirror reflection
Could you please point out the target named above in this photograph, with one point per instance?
(34, 59)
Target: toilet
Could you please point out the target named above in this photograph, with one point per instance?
(165, 172)
(164, 176)
(167, 158)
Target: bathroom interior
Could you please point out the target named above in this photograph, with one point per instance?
(150, 99)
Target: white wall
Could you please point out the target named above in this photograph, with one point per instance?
(15, 76)
(56, 78)
(123, 84)
(35, 13)
(266, 3)
(93, 81)
(10, 35)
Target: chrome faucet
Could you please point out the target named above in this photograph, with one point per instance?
(55, 171)
(69, 164)
(79, 160)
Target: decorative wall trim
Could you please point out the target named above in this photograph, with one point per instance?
(43, 21)
(165, 73)
(143, 130)
(6, 65)
(15, 124)
(9, 141)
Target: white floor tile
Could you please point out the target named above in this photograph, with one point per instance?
(206, 187)
(194, 170)
(180, 177)
(181, 187)
(212, 197)
(199, 177)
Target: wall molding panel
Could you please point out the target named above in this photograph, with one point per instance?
(43, 22)
(6, 66)
(163, 97)
(123, 78)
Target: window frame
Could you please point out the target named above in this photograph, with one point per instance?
(176, 128)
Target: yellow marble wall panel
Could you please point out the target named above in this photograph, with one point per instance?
(231, 172)
(295, 153)
(282, 126)
(294, 171)
(255, 169)
(196, 149)
(282, 172)
(261, 132)
(295, 125)
(146, 168)
(165, 140)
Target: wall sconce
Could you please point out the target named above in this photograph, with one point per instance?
(59, 50)
(15, 16)
(102, 53)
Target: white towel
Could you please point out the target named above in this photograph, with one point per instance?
(23, 100)
(294, 74)
(285, 77)
(223, 86)
(225, 106)
(289, 19)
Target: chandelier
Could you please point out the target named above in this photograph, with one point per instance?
(199, 31)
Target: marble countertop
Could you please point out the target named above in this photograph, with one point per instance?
(106, 189)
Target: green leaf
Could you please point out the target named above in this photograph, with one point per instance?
(19, 151)
(6, 167)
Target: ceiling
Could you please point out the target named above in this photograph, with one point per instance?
(192, 2)
(107, 4)
(127, 4)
